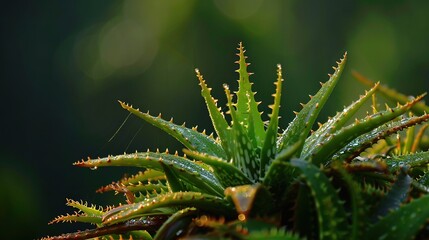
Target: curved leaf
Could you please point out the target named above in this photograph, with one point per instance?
(175, 224)
(200, 201)
(389, 93)
(331, 214)
(341, 138)
(243, 155)
(301, 125)
(247, 107)
(395, 197)
(403, 223)
(191, 172)
(415, 159)
(218, 119)
(361, 143)
(190, 138)
(227, 174)
(269, 148)
(336, 123)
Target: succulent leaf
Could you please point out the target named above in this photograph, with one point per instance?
(173, 179)
(419, 138)
(419, 108)
(342, 137)
(331, 214)
(396, 196)
(247, 107)
(357, 205)
(244, 156)
(403, 223)
(126, 228)
(198, 200)
(272, 234)
(337, 122)
(269, 148)
(83, 218)
(175, 224)
(423, 180)
(217, 116)
(366, 140)
(304, 213)
(301, 125)
(88, 210)
(191, 172)
(412, 160)
(227, 174)
(145, 176)
(280, 175)
(190, 138)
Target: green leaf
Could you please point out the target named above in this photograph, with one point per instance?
(280, 175)
(331, 214)
(339, 139)
(403, 223)
(269, 148)
(175, 224)
(247, 107)
(173, 179)
(301, 125)
(218, 119)
(395, 197)
(190, 138)
(227, 174)
(147, 181)
(191, 172)
(200, 201)
(145, 176)
(88, 210)
(358, 213)
(117, 231)
(304, 218)
(424, 180)
(335, 123)
(419, 108)
(413, 160)
(272, 234)
(244, 156)
(366, 140)
(83, 218)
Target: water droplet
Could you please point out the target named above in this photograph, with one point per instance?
(94, 168)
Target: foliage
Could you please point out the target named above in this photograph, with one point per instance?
(361, 178)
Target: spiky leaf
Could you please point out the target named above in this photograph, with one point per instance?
(218, 119)
(191, 172)
(331, 214)
(419, 108)
(190, 138)
(198, 200)
(396, 196)
(227, 174)
(336, 123)
(247, 107)
(269, 148)
(403, 223)
(412, 160)
(301, 125)
(338, 140)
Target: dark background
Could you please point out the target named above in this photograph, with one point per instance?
(66, 63)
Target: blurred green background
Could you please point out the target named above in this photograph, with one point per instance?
(66, 63)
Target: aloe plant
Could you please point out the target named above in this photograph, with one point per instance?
(348, 179)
